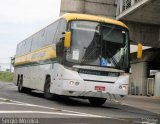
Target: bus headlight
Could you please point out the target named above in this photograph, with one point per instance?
(123, 87)
(72, 83)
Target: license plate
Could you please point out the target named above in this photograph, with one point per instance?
(100, 88)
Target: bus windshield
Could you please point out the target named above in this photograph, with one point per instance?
(98, 44)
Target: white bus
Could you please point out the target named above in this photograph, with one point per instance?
(79, 55)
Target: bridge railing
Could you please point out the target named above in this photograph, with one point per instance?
(123, 5)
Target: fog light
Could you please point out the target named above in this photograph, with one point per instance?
(77, 83)
(71, 83)
(120, 87)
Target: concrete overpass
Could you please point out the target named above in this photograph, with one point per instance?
(135, 10)
(143, 19)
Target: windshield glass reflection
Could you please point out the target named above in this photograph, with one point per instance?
(98, 44)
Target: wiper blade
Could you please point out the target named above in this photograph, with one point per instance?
(115, 62)
(91, 50)
(113, 58)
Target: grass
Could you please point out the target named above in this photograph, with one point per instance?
(6, 76)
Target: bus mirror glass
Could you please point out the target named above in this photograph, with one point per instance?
(139, 52)
(67, 40)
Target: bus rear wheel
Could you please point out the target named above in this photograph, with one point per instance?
(47, 93)
(21, 89)
(97, 101)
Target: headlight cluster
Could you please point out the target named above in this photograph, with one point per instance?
(74, 83)
(123, 87)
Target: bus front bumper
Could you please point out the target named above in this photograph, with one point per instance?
(89, 94)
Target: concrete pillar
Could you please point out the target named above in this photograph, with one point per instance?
(147, 34)
(157, 84)
(96, 7)
(101, 7)
(139, 75)
(72, 6)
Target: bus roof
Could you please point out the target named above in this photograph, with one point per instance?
(76, 16)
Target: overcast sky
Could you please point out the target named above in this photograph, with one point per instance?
(20, 19)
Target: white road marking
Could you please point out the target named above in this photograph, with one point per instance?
(13, 102)
(50, 113)
(124, 104)
(33, 105)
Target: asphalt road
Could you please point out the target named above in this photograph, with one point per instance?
(32, 108)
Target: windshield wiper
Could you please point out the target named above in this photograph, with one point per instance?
(113, 59)
(91, 50)
(112, 52)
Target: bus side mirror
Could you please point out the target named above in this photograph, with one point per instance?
(139, 52)
(67, 39)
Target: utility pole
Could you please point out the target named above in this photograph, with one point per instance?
(11, 64)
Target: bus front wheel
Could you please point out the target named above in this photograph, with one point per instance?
(97, 101)
(47, 93)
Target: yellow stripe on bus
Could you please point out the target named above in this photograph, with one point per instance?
(38, 55)
(75, 16)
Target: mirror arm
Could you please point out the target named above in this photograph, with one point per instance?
(63, 32)
(133, 42)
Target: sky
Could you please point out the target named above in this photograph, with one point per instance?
(20, 19)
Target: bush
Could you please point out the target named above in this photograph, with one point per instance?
(6, 76)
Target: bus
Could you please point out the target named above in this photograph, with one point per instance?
(79, 55)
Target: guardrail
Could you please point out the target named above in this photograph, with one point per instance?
(123, 5)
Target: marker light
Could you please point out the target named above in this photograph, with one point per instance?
(77, 83)
(122, 87)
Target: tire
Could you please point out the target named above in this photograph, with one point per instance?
(21, 89)
(97, 101)
(27, 90)
(47, 93)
